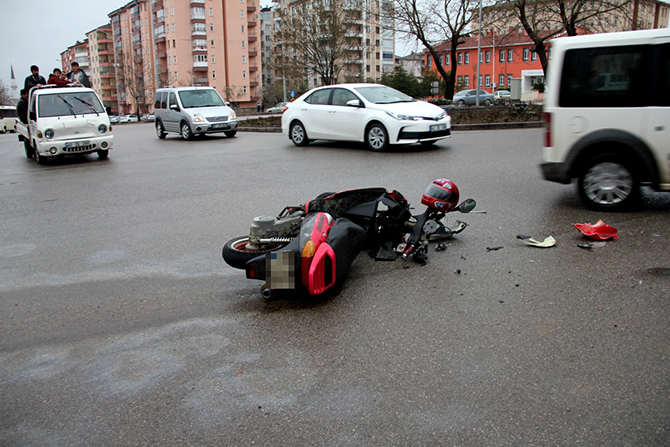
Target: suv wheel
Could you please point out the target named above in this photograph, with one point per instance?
(186, 133)
(609, 183)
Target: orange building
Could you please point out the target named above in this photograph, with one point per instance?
(503, 58)
(102, 73)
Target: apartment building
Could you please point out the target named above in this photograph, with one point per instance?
(186, 42)
(370, 40)
(102, 74)
(77, 52)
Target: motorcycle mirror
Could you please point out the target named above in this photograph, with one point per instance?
(466, 206)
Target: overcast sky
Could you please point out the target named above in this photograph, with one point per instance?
(38, 31)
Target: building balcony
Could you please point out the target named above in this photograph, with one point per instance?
(252, 23)
(156, 4)
(198, 32)
(202, 81)
(253, 84)
(200, 65)
(251, 5)
(253, 53)
(198, 17)
(161, 55)
(200, 48)
(252, 37)
(253, 69)
(197, 2)
(108, 87)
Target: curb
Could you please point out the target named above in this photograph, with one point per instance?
(477, 126)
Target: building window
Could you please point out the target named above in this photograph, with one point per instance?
(213, 58)
(525, 54)
(176, 75)
(430, 61)
(211, 42)
(510, 55)
(501, 80)
(242, 29)
(460, 58)
(440, 60)
(487, 81)
(243, 44)
(447, 59)
(241, 13)
(174, 59)
(213, 75)
(172, 11)
(533, 56)
(509, 81)
(211, 12)
(488, 56)
(211, 27)
(244, 74)
(244, 59)
(467, 58)
(466, 81)
(502, 56)
(244, 89)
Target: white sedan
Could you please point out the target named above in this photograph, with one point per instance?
(375, 114)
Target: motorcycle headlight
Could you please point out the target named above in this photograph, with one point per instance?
(402, 116)
(102, 128)
(198, 118)
(49, 133)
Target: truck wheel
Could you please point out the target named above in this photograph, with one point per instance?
(38, 158)
(609, 182)
(102, 155)
(29, 150)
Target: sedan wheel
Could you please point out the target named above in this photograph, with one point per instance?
(376, 137)
(298, 134)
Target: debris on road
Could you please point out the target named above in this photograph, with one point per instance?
(590, 245)
(493, 248)
(600, 231)
(549, 241)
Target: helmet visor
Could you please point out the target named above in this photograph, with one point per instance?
(440, 193)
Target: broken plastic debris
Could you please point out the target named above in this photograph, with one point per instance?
(590, 245)
(493, 248)
(600, 231)
(549, 241)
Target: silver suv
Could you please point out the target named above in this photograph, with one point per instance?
(192, 111)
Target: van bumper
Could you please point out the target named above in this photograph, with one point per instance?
(555, 172)
(215, 127)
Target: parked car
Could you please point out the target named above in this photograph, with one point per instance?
(192, 111)
(147, 117)
(278, 108)
(502, 95)
(469, 97)
(124, 119)
(132, 119)
(114, 119)
(375, 114)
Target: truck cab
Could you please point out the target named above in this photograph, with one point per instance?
(65, 121)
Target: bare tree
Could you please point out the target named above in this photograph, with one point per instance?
(314, 35)
(433, 23)
(5, 95)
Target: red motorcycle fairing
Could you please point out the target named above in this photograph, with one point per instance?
(313, 233)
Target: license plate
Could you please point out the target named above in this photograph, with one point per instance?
(218, 126)
(73, 144)
(438, 127)
(280, 270)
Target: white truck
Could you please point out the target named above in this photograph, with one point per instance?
(65, 121)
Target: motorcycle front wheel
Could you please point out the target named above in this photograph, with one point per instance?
(236, 252)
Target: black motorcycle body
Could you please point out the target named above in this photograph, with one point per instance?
(312, 246)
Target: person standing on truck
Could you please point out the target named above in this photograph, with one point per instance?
(58, 78)
(34, 80)
(22, 106)
(77, 76)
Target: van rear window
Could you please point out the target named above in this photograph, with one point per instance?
(606, 77)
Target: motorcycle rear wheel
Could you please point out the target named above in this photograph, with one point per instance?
(236, 254)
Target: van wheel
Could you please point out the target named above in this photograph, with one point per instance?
(29, 150)
(376, 137)
(160, 131)
(609, 183)
(186, 133)
(230, 133)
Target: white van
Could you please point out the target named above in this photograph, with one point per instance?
(191, 111)
(607, 116)
(8, 119)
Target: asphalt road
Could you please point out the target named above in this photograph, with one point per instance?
(120, 325)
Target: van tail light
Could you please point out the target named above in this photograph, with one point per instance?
(547, 130)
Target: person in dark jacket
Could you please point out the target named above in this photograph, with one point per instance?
(22, 106)
(58, 78)
(77, 76)
(34, 79)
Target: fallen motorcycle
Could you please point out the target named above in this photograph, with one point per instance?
(311, 246)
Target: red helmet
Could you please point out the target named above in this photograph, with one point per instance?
(441, 195)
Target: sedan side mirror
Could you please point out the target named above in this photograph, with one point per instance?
(355, 103)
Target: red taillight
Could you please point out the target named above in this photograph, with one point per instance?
(547, 130)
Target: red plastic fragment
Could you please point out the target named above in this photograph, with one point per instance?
(600, 231)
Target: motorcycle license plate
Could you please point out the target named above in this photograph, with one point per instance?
(280, 270)
(73, 144)
(438, 127)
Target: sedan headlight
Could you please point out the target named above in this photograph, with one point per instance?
(402, 117)
(198, 118)
(102, 128)
(49, 133)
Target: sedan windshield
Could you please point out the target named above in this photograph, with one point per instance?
(380, 94)
(200, 98)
